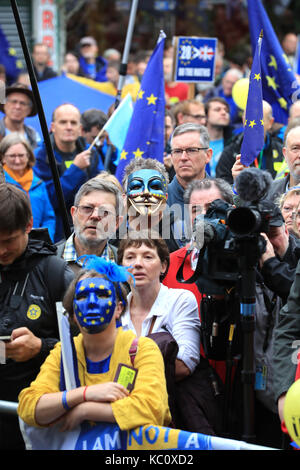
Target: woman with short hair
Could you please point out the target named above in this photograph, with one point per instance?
(153, 307)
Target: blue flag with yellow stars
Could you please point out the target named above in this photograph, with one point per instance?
(145, 136)
(279, 84)
(253, 140)
(9, 59)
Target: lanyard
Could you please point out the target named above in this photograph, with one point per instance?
(258, 161)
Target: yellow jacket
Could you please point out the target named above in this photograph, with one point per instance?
(146, 404)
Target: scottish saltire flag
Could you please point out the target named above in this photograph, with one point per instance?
(9, 59)
(253, 140)
(118, 123)
(279, 85)
(145, 136)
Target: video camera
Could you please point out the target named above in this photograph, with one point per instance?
(228, 236)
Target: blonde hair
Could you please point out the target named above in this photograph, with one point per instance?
(295, 191)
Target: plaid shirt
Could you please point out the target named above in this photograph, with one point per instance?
(71, 256)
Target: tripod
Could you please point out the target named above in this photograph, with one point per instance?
(249, 249)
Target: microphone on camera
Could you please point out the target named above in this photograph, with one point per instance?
(253, 184)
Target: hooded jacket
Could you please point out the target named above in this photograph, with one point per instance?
(29, 288)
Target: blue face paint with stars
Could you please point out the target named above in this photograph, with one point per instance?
(94, 304)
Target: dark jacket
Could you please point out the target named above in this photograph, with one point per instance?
(279, 274)
(286, 340)
(278, 188)
(47, 73)
(176, 192)
(271, 158)
(30, 302)
(71, 176)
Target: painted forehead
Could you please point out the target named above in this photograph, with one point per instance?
(146, 176)
(94, 283)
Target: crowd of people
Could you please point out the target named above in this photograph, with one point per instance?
(133, 268)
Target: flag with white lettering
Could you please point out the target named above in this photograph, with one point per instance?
(195, 60)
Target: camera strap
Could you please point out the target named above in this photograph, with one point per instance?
(198, 270)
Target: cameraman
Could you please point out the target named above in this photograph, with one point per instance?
(197, 198)
(278, 263)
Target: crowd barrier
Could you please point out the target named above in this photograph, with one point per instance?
(104, 436)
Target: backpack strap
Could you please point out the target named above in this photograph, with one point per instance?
(55, 275)
(133, 350)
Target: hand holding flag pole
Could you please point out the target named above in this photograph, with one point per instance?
(96, 138)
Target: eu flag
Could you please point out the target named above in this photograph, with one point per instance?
(145, 136)
(8, 58)
(279, 84)
(253, 140)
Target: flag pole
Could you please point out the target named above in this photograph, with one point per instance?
(43, 122)
(123, 65)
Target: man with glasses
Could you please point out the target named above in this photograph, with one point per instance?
(19, 104)
(190, 110)
(190, 151)
(97, 213)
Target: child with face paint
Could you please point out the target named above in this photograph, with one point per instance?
(95, 301)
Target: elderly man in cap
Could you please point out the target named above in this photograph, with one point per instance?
(93, 66)
(19, 104)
